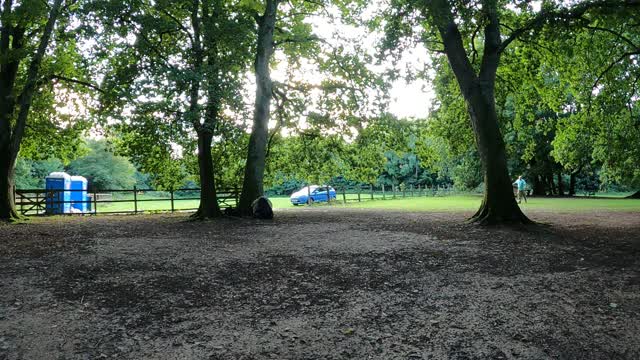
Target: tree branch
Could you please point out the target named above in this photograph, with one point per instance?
(32, 77)
(474, 51)
(180, 25)
(575, 12)
(76, 81)
(622, 57)
(296, 40)
(626, 39)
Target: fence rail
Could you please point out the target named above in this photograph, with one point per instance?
(384, 192)
(111, 201)
(134, 201)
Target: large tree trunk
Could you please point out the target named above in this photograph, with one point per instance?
(209, 207)
(10, 38)
(553, 190)
(11, 134)
(252, 185)
(7, 171)
(635, 195)
(572, 184)
(539, 188)
(560, 184)
(499, 205)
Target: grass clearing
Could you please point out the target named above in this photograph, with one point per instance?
(471, 203)
(431, 203)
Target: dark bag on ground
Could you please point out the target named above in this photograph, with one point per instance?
(262, 208)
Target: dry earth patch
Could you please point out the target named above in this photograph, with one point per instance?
(321, 284)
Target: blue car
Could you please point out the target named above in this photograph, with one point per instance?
(313, 193)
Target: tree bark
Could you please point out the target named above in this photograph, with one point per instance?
(209, 207)
(7, 202)
(560, 184)
(539, 188)
(252, 185)
(572, 183)
(11, 136)
(552, 185)
(499, 205)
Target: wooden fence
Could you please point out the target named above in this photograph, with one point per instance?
(134, 201)
(385, 192)
(129, 201)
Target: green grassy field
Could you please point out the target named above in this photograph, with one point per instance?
(471, 203)
(441, 203)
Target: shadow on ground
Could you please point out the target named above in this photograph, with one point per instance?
(321, 284)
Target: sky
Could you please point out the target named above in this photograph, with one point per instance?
(407, 99)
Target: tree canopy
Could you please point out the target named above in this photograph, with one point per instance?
(255, 93)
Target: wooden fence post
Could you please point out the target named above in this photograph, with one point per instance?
(172, 206)
(14, 199)
(135, 200)
(95, 202)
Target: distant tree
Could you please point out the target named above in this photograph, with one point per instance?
(604, 77)
(31, 174)
(103, 169)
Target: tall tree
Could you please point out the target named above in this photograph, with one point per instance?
(252, 186)
(180, 80)
(465, 32)
(284, 30)
(20, 23)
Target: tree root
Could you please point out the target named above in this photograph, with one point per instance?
(485, 216)
(13, 217)
(208, 215)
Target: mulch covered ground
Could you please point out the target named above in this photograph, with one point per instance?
(321, 284)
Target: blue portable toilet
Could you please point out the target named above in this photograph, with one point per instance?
(58, 199)
(79, 194)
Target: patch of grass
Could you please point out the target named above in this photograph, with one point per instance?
(471, 203)
(425, 203)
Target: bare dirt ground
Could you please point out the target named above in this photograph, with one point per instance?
(321, 284)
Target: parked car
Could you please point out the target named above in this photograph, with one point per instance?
(313, 193)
